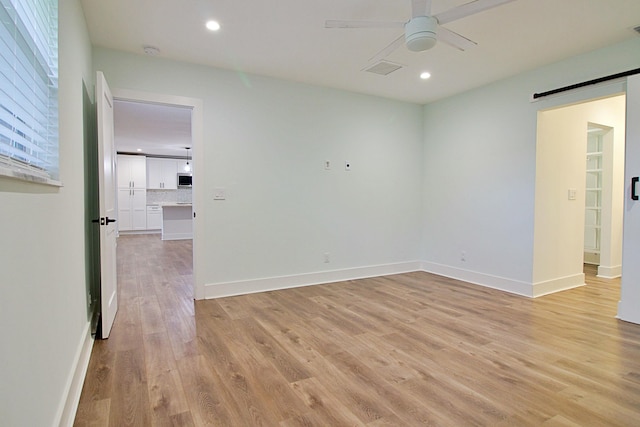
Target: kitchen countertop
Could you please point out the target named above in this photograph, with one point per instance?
(171, 204)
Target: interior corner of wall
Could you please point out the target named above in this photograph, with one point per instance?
(558, 284)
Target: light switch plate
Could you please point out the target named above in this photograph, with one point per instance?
(572, 194)
(347, 165)
(219, 194)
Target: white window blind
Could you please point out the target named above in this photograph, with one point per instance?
(29, 90)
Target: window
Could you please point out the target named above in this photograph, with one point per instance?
(29, 90)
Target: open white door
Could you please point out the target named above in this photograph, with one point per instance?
(107, 189)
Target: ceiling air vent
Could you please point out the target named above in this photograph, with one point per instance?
(383, 68)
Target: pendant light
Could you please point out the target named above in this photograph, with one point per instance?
(187, 167)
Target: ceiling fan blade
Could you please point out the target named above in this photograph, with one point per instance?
(362, 24)
(388, 50)
(454, 39)
(420, 8)
(471, 8)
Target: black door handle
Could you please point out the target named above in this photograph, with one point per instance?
(634, 184)
(103, 221)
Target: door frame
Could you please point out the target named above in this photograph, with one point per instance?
(197, 138)
(559, 220)
(603, 90)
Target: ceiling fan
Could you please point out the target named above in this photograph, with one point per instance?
(423, 30)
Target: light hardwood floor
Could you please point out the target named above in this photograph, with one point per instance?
(405, 350)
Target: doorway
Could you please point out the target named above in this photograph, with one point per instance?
(171, 147)
(573, 211)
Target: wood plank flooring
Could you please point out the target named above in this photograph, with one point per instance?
(406, 350)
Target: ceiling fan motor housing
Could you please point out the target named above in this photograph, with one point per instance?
(420, 33)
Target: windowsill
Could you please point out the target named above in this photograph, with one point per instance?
(26, 176)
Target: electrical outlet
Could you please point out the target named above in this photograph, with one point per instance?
(463, 256)
(327, 164)
(327, 258)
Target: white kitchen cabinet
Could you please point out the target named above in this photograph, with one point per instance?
(132, 171)
(154, 217)
(162, 174)
(132, 209)
(132, 192)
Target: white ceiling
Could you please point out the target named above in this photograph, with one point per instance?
(152, 129)
(287, 39)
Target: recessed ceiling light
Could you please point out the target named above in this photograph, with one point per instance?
(139, 150)
(425, 75)
(213, 25)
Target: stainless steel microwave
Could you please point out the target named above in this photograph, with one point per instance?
(184, 180)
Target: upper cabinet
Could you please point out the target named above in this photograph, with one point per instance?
(132, 171)
(162, 174)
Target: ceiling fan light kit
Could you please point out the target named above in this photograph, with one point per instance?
(420, 33)
(423, 30)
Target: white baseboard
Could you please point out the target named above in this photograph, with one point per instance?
(487, 280)
(69, 403)
(241, 287)
(609, 272)
(559, 284)
(218, 290)
(177, 236)
(628, 312)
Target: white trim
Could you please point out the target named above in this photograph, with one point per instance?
(558, 284)
(177, 236)
(487, 280)
(71, 398)
(609, 272)
(242, 287)
(28, 176)
(227, 289)
(197, 138)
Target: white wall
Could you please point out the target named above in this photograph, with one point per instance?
(43, 313)
(480, 163)
(560, 166)
(265, 142)
(628, 308)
